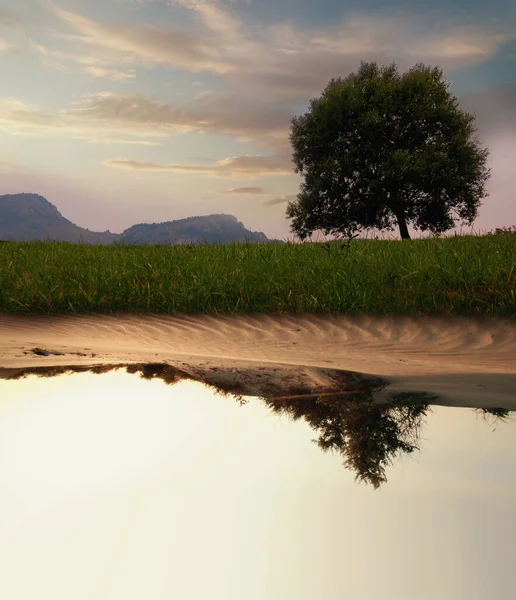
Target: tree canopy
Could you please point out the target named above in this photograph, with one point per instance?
(378, 149)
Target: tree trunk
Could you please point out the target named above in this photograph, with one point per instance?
(396, 205)
(400, 216)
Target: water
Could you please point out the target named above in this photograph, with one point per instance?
(112, 486)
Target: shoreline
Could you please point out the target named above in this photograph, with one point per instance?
(468, 361)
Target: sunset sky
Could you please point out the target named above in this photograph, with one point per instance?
(128, 111)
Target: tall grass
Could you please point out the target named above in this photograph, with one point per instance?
(467, 275)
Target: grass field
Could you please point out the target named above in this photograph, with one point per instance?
(463, 275)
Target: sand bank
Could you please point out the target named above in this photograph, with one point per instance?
(468, 362)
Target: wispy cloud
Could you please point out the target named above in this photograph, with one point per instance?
(114, 74)
(279, 200)
(95, 63)
(18, 118)
(216, 17)
(244, 191)
(94, 56)
(4, 45)
(285, 60)
(266, 70)
(149, 44)
(99, 114)
(209, 113)
(248, 167)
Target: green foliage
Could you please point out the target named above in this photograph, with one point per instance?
(503, 230)
(378, 149)
(464, 275)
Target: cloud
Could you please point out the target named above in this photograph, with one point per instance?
(16, 115)
(244, 191)
(209, 113)
(96, 57)
(239, 166)
(99, 114)
(51, 58)
(284, 60)
(18, 118)
(149, 44)
(216, 18)
(4, 45)
(302, 66)
(115, 140)
(114, 74)
(267, 70)
(203, 159)
(280, 200)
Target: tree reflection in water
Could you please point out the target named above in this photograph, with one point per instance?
(369, 434)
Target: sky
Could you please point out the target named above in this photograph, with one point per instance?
(117, 488)
(128, 111)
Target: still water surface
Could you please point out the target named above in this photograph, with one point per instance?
(113, 487)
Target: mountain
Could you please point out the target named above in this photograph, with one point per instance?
(193, 230)
(25, 217)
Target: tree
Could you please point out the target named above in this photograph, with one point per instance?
(379, 148)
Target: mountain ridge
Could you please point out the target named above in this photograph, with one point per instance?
(31, 217)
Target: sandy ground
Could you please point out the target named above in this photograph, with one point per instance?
(468, 362)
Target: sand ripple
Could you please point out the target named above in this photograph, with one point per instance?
(377, 344)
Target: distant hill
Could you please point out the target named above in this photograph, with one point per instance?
(26, 217)
(193, 230)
